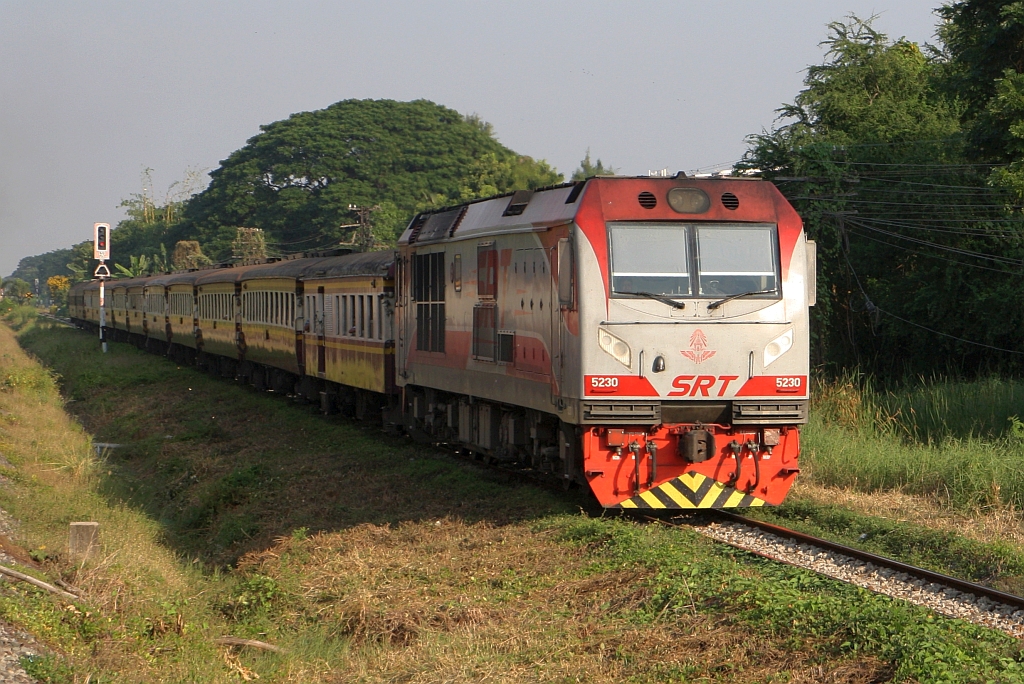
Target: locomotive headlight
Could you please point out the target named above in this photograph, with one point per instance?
(688, 200)
(777, 347)
(614, 346)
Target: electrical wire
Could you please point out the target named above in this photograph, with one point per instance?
(935, 245)
(955, 262)
(872, 308)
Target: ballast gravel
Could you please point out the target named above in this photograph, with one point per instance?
(14, 645)
(943, 600)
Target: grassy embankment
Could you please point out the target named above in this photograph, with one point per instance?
(369, 558)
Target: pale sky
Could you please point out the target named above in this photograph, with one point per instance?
(93, 93)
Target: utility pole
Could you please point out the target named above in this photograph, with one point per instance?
(101, 252)
(364, 232)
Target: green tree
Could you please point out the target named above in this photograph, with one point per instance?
(58, 286)
(983, 46)
(908, 235)
(589, 169)
(82, 265)
(43, 266)
(297, 178)
(151, 222)
(17, 289)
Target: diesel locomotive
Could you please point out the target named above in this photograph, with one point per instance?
(644, 337)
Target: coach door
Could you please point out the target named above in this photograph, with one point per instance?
(402, 324)
(299, 324)
(321, 342)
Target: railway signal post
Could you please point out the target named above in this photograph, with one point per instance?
(101, 252)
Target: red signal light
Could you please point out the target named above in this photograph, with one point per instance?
(101, 241)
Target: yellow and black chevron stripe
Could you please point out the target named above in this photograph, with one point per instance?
(691, 490)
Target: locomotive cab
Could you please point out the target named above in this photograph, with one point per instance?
(697, 344)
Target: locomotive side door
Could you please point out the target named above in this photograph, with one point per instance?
(565, 265)
(532, 305)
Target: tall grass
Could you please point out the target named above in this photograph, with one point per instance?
(19, 316)
(961, 441)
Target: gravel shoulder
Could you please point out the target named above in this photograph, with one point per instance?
(14, 643)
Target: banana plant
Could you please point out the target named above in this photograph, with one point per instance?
(138, 266)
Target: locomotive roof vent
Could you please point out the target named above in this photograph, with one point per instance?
(647, 200)
(730, 201)
(516, 205)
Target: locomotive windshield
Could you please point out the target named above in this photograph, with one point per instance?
(650, 257)
(693, 260)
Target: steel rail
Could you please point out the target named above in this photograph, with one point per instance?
(961, 585)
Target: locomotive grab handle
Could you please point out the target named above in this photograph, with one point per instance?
(735, 447)
(755, 450)
(652, 450)
(634, 447)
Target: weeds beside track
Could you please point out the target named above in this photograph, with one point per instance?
(961, 443)
(366, 565)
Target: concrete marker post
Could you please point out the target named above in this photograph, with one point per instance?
(83, 540)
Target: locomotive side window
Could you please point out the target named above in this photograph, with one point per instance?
(650, 257)
(735, 260)
(487, 271)
(566, 272)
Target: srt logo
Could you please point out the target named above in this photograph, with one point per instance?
(692, 385)
(698, 351)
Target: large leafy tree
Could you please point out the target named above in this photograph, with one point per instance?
(298, 178)
(984, 45)
(914, 250)
(43, 266)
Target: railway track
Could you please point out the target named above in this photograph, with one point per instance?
(949, 596)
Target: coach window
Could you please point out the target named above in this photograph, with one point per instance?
(368, 317)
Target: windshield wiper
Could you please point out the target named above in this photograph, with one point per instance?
(650, 295)
(714, 305)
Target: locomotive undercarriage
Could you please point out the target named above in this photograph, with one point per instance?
(501, 433)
